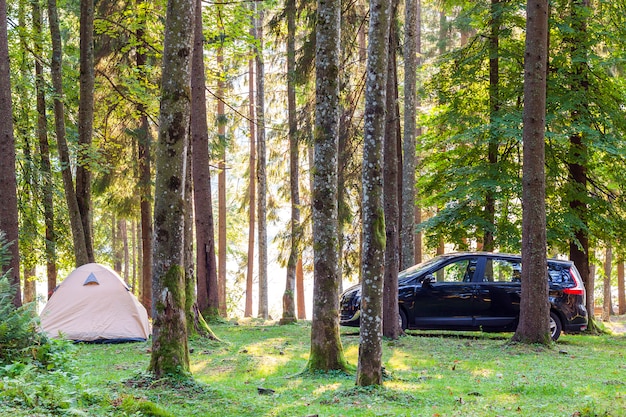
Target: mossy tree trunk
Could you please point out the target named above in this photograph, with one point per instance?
(170, 354)
(326, 348)
(369, 370)
(533, 324)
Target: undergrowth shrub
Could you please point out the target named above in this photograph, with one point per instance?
(36, 373)
(18, 326)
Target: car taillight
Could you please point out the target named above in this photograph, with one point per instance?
(578, 288)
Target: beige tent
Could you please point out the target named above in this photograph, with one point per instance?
(93, 304)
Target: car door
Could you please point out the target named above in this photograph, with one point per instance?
(445, 299)
(498, 295)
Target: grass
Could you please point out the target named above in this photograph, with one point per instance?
(428, 374)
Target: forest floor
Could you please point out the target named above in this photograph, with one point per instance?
(616, 324)
(259, 370)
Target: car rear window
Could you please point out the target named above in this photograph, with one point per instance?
(559, 274)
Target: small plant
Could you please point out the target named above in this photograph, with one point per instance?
(138, 406)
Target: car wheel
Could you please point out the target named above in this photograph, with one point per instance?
(555, 326)
(402, 320)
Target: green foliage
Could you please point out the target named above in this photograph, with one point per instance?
(585, 97)
(18, 326)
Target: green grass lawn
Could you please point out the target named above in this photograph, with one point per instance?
(428, 374)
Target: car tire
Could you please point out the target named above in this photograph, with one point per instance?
(555, 326)
(402, 320)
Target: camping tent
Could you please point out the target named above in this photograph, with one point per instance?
(93, 304)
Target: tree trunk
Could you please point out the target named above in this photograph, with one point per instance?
(221, 132)
(125, 254)
(44, 154)
(78, 235)
(407, 239)
(300, 290)
(494, 109)
(206, 265)
(251, 187)
(170, 354)
(578, 153)
(221, 215)
(533, 324)
(326, 349)
(85, 122)
(591, 299)
(261, 175)
(144, 145)
(391, 327)
(289, 304)
(608, 265)
(28, 195)
(115, 244)
(418, 133)
(369, 370)
(196, 325)
(8, 183)
(621, 294)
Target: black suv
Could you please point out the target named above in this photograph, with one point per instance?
(476, 291)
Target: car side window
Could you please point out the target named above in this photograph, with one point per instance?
(502, 270)
(459, 271)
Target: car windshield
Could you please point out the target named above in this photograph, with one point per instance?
(416, 269)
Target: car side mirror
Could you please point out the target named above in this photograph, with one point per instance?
(428, 279)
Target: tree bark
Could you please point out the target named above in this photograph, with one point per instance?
(369, 370)
(261, 172)
(326, 349)
(170, 354)
(289, 304)
(85, 122)
(206, 265)
(8, 183)
(533, 324)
